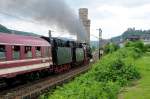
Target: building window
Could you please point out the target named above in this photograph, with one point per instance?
(16, 52)
(28, 52)
(38, 51)
(2, 52)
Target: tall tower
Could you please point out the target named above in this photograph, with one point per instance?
(83, 15)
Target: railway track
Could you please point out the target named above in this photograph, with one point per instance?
(36, 88)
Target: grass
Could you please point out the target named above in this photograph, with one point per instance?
(141, 88)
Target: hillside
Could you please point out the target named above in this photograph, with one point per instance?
(131, 32)
(3, 29)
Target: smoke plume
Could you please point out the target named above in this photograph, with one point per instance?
(47, 12)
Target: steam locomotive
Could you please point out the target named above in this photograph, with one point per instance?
(27, 55)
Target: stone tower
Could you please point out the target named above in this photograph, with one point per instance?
(83, 15)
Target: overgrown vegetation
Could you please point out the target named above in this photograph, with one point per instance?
(110, 47)
(147, 48)
(105, 78)
(136, 44)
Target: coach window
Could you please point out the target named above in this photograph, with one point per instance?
(2, 52)
(38, 51)
(16, 52)
(28, 52)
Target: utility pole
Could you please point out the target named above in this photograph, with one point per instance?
(50, 35)
(100, 37)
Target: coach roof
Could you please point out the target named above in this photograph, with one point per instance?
(12, 39)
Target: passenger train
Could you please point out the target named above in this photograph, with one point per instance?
(25, 55)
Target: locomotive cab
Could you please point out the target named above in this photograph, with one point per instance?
(61, 51)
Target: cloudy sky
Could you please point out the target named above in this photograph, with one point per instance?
(113, 16)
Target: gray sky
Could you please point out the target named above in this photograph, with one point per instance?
(113, 16)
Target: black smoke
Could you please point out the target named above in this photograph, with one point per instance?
(47, 12)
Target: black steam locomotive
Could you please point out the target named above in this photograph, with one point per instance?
(68, 53)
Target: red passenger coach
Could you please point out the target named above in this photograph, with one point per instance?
(23, 54)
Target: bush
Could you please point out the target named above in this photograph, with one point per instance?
(147, 47)
(116, 66)
(135, 44)
(129, 52)
(110, 47)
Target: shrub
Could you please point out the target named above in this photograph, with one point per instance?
(116, 66)
(129, 52)
(147, 47)
(135, 44)
(110, 47)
